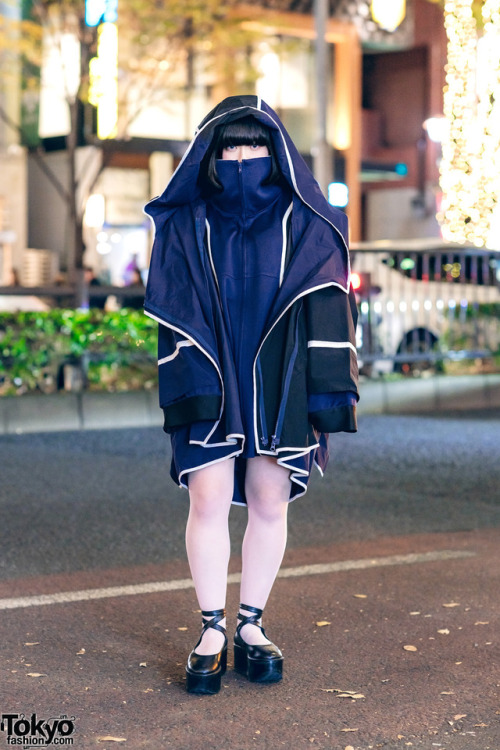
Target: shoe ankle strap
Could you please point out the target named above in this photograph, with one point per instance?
(213, 613)
(211, 619)
(252, 619)
(255, 610)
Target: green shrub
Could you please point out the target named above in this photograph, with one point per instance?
(115, 350)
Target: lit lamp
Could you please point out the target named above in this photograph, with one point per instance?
(389, 14)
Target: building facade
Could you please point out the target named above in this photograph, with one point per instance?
(382, 84)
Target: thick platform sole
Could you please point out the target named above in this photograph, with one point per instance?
(206, 684)
(203, 684)
(257, 670)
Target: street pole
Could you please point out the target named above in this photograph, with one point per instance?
(322, 156)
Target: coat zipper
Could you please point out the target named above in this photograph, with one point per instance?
(243, 235)
(262, 411)
(276, 437)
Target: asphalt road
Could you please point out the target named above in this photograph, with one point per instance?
(87, 510)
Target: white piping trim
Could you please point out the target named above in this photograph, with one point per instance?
(183, 333)
(209, 244)
(259, 102)
(319, 468)
(331, 345)
(285, 243)
(172, 356)
(231, 440)
(202, 466)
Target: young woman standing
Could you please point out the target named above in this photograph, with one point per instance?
(250, 282)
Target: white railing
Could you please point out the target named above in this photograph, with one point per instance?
(424, 301)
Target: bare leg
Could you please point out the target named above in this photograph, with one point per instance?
(207, 541)
(267, 491)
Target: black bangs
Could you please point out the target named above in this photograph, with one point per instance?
(247, 131)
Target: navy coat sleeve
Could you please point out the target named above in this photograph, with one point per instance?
(332, 368)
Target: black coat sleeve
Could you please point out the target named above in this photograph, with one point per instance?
(332, 368)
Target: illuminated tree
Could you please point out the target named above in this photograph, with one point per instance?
(470, 165)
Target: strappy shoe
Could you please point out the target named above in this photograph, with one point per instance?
(204, 672)
(258, 663)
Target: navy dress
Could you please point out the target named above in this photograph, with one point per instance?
(246, 242)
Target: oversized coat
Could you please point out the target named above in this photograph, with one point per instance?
(305, 369)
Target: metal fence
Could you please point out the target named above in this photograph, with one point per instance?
(421, 303)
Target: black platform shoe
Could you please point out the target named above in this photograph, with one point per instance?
(203, 673)
(258, 663)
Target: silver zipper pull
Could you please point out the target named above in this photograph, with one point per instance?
(275, 441)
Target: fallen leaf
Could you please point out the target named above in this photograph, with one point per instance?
(181, 628)
(358, 695)
(444, 631)
(481, 725)
(79, 653)
(36, 674)
(360, 596)
(349, 747)
(410, 648)
(401, 736)
(444, 692)
(35, 643)
(148, 690)
(322, 623)
(414, 613)
(143, 664)
(459, 716)
(348, 730)
(451, 604)
(481, 623)
(327, 690)
(109, 738)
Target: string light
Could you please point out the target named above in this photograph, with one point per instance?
(489, 110)
(470, 166)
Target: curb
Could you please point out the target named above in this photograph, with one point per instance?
(79, 411)
(101, 411)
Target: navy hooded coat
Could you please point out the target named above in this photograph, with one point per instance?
(303, 376)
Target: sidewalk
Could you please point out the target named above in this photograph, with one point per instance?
(95, 411)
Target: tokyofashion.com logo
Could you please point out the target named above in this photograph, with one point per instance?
(34, 732)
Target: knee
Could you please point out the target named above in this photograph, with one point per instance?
(206, 506)
(210, 492)
(265, 505)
